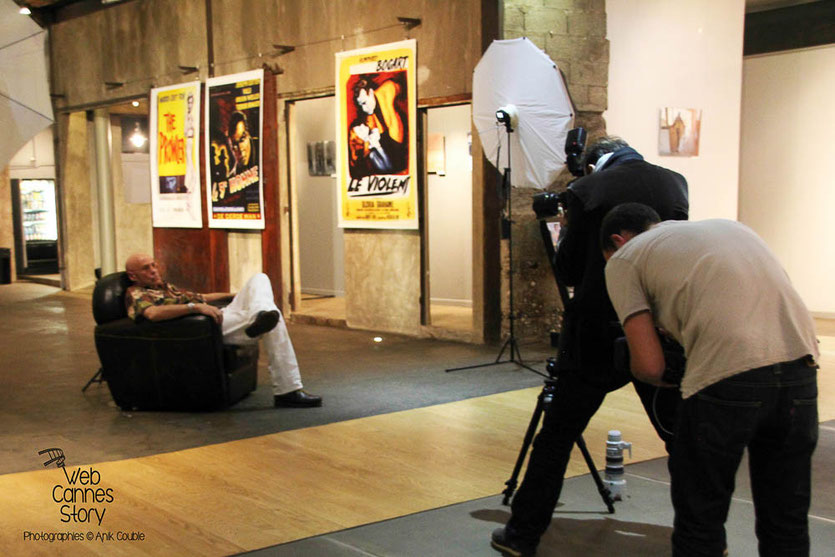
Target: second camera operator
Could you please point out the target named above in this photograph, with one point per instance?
(615, 174)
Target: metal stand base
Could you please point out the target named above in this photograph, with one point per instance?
(96, 378)
(515, 358)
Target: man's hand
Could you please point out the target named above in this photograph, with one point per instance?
(374, 139)
(210, 311)
(562, 218)
(362, 131)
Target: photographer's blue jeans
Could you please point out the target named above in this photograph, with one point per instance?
(773, 412)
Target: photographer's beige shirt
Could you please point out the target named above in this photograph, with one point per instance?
(719, 291)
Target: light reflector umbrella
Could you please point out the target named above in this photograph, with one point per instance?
(25, 106)
(516, 72)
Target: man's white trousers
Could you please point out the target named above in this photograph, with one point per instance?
(256, 296)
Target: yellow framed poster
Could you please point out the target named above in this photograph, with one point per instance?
(376, 108)
(175, 158)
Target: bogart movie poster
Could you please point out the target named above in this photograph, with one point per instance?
(233, 151)
(175, 159)
(376, 148)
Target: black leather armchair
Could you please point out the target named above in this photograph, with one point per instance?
(180, 364)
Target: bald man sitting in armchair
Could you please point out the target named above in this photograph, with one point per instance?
(251, 315)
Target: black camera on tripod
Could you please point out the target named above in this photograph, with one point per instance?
(674, 359)
(550, 204)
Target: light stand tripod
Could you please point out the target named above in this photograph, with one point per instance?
(543, 403)
(507, 225)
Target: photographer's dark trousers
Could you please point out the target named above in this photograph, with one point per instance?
(773, 412)
(575, 402)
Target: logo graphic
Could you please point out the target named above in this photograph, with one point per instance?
(83, 488)
(56, 456)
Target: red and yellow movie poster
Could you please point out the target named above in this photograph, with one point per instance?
(175, 159)
(233, 151)
(376, 108)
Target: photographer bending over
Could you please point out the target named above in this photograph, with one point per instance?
(750, 379)
(615, 173)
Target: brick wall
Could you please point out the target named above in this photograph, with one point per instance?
(573, 34)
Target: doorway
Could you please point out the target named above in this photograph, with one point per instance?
(449, 216)
(35, 221)
(320, 277)
(35, 217)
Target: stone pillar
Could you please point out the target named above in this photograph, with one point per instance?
(6, 226)
(107, 227)
(573, 34)
(77, 215)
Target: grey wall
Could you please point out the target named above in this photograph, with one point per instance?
(321, 241)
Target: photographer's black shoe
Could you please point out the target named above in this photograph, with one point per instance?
(264, 322)
(508, 545)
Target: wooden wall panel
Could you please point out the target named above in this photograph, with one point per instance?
(195, 258)
(271, 236)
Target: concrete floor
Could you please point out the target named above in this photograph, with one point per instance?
(48, 355)
(581, 527)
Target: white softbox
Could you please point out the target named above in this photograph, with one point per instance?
(516, 72)
(25, 105)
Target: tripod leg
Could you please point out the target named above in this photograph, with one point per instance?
(515, 352)
(520, 460)
(601, 487)
(508, 342)
(96, 378)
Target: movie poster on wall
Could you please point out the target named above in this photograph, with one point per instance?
(376, 108)
(234, 191)
(175, 158)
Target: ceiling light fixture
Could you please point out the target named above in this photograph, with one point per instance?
(134, 103)
(138, 139)
(24, 11)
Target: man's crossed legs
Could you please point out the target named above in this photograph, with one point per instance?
(252, 311)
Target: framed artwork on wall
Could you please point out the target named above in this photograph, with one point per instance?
(678, 132)
(436, 154)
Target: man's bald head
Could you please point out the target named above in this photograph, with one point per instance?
(143, 270)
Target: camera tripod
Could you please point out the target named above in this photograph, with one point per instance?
(543, 403)
(546, 397)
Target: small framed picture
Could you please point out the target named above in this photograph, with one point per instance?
(678, 132)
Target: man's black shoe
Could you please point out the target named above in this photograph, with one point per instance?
(297, 399)
(264, 322)
(509, 546)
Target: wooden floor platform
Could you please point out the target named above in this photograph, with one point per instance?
(248, 494)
